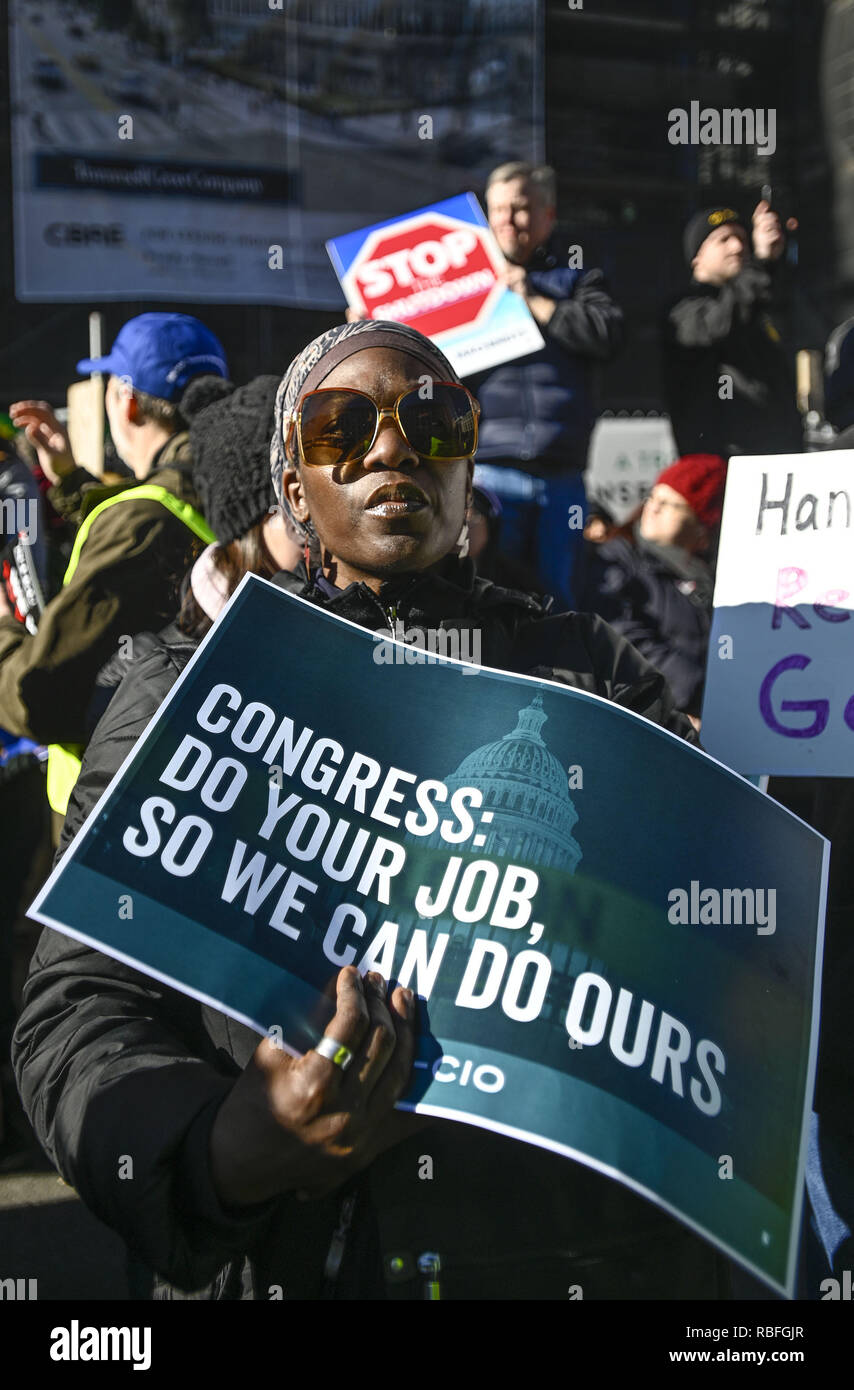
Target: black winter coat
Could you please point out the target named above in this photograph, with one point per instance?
(665, 612)
(713, 331)
(538, 410)
(112, 1063)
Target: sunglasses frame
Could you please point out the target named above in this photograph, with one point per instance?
(293, 421)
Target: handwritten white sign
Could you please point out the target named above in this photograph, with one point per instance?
(780, 677)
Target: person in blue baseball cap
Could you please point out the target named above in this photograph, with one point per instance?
(136, 537)
(155, 356)
(158, 354)
(152, 360)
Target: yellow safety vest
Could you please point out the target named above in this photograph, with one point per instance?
(64, 759)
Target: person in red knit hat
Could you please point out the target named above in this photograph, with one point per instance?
(657, 590)
(685, 505)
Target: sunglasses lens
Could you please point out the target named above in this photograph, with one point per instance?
(336, 427)
(441, 427)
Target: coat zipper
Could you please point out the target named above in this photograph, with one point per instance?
(391, 615)
(338, 1245)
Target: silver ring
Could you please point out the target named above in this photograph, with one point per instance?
(337, 1053)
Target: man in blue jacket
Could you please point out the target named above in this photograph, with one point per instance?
(538, 411)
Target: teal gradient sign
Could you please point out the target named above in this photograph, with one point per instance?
(616, 941)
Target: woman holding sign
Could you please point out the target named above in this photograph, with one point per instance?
(258, 1175)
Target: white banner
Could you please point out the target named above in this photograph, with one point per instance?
(780, 680)
(207, 152)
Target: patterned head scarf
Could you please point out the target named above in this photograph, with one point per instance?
(321, 357)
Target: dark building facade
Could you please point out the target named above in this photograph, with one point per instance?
(614, 69)
(837, 64)
(613, 73)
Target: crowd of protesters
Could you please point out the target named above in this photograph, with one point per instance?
(126, 574)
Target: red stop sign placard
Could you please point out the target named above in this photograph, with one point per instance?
(434, 272)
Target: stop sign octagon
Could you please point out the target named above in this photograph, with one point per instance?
(435, 272)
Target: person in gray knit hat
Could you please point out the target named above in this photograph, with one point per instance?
(260, 1168)
(315, 363)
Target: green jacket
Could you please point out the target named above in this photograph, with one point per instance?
(126, 581)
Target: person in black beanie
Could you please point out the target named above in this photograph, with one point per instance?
(230, 443)
(729, 385)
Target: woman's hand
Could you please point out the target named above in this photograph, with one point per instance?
(304, 1125)
(39, 423)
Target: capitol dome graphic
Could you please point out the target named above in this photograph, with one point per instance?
(525, 789)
